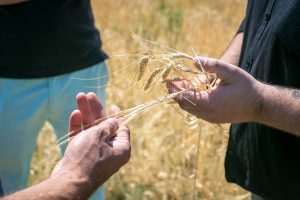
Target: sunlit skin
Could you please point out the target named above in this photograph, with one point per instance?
(91, 157)
(238, 97)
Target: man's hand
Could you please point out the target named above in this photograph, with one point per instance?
(91, 157)
(99, 151)
(238, 97)
(234, 98)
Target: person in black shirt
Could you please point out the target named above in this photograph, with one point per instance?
(45, 46)
(261, 99)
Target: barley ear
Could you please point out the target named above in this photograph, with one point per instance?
(152, 76)
(142, 66)
(165, 73)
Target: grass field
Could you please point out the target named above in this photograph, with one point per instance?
(163, 146)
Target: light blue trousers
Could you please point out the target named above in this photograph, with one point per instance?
(25, 105)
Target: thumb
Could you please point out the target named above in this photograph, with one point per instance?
(222, 69)
(110, 126)
(114, 110)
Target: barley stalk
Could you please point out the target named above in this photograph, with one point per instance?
(173, 79)
(182, 67)
(178, 55)
(125, 116)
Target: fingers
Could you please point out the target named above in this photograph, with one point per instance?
(183, 98)
(222, 69)
(121, 144)
(177, 86)
(95, 105)
(75, 122)
(84, 107)
(109, 128)
(90, 107)
(114, 110)
(124, 134)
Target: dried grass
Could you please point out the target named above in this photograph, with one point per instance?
(164, 147)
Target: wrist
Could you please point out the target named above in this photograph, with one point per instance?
(74, 183)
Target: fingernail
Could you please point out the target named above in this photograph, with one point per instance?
(115, 108)
(199, 60)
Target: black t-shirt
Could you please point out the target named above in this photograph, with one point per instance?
(259, 158)
(42, 38)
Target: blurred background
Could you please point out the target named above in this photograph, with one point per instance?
(164, 147)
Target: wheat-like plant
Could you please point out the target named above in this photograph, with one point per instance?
(172, 66)
(169, 62)
(125, 116)
(169, 67)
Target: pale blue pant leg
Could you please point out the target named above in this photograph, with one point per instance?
(23, 110)
(63, 90)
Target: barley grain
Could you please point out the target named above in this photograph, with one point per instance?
(142, 66)
(152, 76)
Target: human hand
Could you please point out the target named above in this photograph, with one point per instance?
(91, 157)
(234, 98)
(97, 152)
(89, 110)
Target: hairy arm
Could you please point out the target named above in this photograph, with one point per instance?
(239, 97)
(91, 157)
(64, 186)
(280, 108)
(9, 2)
(233, 51)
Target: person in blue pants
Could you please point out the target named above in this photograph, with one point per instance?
(91, 157)
(45, 46)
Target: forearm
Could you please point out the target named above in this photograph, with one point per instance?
(233, 51)
(280, 108)
(8, 2)
(64, 186)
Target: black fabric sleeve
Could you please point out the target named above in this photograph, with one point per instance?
(242, 27)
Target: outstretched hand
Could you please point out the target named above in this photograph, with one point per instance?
(234, 98)
(99, 151)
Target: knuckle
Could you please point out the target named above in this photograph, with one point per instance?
(213, 62)
(112, 124)
(217, 62)
(103, 132)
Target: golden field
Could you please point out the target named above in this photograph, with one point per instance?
(164, 147)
